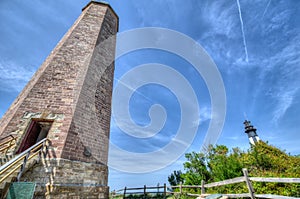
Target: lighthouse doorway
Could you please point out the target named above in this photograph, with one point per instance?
(36, 131)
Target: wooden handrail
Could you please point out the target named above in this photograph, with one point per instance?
(7, 137)
(24, 156)
(277, 180)
(7, 143)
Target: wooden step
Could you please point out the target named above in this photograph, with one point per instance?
(4, 186)
(9, 180)
(14, 175)
(6, 158)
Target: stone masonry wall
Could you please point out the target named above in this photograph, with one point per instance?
(68, 179)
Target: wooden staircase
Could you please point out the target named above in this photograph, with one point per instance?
(16, 165)
(6, 158)
(6, 144)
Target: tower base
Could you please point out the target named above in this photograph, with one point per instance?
(62, 178)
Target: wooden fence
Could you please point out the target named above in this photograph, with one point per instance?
(142, 191)
(251, 194)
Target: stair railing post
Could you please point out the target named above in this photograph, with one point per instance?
(44, 147)
(248, 182)
(23, 166)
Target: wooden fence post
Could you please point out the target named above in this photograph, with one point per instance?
(165, 191)
(144, 191)
(249, 185)
(124, 195)
(202, 187)
(180, 188)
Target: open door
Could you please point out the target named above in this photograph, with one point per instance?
(36, 131)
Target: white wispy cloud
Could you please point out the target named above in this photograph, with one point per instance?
(205, 115)
(223, 39)
(234, 137)
(284, 102)
(221, 19)
(276, 63)
(13, 77)
(285, 64)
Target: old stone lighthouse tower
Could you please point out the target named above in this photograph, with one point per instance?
(68, 102)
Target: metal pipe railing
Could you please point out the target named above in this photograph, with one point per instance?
(25, 156)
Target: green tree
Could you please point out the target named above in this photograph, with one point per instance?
(195, 168)
(261, 160)
(175, 178)
(224, 165)
(264, 160)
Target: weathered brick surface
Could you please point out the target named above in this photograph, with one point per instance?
(93, 130)
(73, 87)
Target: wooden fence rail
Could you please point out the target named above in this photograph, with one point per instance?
(251, 194)
(142, 191)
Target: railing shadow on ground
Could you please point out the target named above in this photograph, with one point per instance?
(142, 192)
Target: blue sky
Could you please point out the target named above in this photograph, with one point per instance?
(264, 90)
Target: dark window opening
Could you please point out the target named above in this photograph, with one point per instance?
(36, 131)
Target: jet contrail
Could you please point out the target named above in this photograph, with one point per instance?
(130, 88)
(242, 27)
(266, 9)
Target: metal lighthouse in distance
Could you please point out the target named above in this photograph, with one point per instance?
(251, 132)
